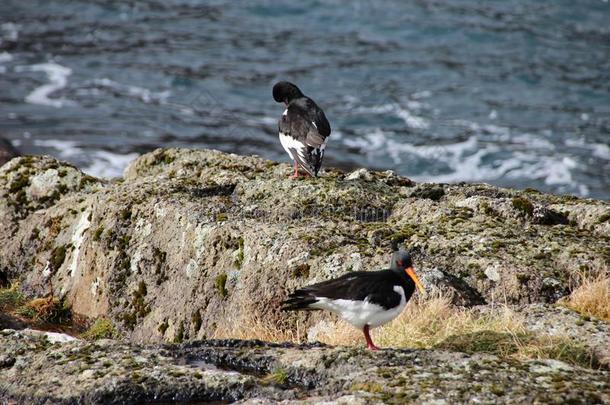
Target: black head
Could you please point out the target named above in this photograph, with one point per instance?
(285, 92)
(401, 263)
(401, 259)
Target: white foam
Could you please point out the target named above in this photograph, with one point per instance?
(66, 149)
(410, 119)
(5, 57)
(599, 150)
(141, 93)
(491, 153)
(58, 78)
(106, 164)
(103, 163)
(11, 31)
(404, 113)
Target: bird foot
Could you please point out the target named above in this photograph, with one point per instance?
(372, 347)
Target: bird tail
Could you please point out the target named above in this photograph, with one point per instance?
(299, 300)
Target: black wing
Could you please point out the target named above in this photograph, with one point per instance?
(306, 122)
(377, 287)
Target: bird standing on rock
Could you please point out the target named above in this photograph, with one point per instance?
(364, 299)
(303, 128)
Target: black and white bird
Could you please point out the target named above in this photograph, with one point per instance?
(303, 128)
(365, 299)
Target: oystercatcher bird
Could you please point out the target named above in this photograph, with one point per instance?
(365, 299)
(303, 128)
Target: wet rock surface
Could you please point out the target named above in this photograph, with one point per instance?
(33, 370)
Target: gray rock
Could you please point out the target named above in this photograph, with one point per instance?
(190, 239)
(257, 373)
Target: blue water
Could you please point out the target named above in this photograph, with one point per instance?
(514, 93)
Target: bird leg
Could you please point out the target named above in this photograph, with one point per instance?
(296, 170)
(369, 342)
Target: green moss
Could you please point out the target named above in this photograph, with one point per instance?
(21, 181)
(35, 234)
(371, 387)
(180, 334)
(26, 311)
(139, 304)
(58, 255)
(102, 328)
(497, 245)
(277, 377)
(125, 214)
(431, 192)
(302, 270)
(405, 233)
(496, 389)
(159, 258)
(486, 209)
(220, 285)
(11, 297)
(604, 218)
(164, 158)
(98, 233)
(507, 344)
(129, 319)
(221, 217)
(86, 180)
(481, 342)
(239, 259)
(123, 242)
(196, 321)
(523, 205)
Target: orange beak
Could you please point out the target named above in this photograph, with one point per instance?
(411, 273)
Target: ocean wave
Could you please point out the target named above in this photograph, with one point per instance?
(405, 113)
(491, 154)
(10, 32)
(5, 57)
(58, 78)
(102, 163)
(141, 93)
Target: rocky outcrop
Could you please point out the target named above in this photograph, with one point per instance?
(191, 241)
(34, 370)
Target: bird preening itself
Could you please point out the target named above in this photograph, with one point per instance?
(303, 128)
(365, 299)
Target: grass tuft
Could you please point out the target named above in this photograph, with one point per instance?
(256, 327)
(276, 377)
(11, 297)
(102, 328)
(592, 297)
(48, 309)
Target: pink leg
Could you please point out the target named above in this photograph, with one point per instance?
(296, 170)
(369, 342)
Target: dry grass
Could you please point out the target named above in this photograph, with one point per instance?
(257, 328)
(434, 323)
(592, 297)
(427, 323)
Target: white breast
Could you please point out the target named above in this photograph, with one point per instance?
(360, 313)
